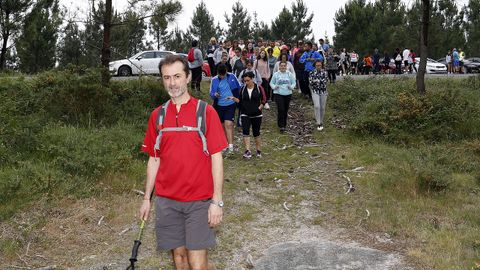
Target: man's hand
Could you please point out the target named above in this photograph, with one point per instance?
(215, 215)
(217, 94)
(145, 209)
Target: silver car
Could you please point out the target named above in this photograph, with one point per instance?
(433, 66)
(145, 62)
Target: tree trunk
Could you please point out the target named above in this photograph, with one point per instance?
(423, 47)
(5, 36)
(107, 23)
(3, 54)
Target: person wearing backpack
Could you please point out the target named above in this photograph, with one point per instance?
(354, 62)
(397, 56)
(222, 87)
(251, 102)
(195, 63)
(331, 65)
(184, 140)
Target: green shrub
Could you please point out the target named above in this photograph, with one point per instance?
(77, 99)
(392, 109)
(62, 132)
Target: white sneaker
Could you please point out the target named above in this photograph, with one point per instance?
(320, 128)
(267, 107)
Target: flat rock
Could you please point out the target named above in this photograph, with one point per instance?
(326, 255)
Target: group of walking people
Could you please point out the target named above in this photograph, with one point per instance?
(251, 78)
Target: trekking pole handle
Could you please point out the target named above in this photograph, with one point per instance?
(136, 245)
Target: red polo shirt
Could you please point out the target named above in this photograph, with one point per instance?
(185, 172)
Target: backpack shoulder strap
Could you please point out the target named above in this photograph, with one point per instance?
(161, 115)
(202, 115)
(160, 120)
(201, 123)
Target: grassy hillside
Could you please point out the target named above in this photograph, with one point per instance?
(66, 139)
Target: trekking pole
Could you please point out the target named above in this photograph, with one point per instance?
(136, 245)
(137, 242)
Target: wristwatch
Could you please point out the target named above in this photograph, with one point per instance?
(219, 203)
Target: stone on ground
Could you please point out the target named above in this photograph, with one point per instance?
(326, 255)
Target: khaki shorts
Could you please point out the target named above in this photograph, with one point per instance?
(183, 224)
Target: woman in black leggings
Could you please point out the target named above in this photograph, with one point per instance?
(251, 101)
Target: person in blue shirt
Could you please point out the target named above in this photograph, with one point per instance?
(308, 58)
(222, 88)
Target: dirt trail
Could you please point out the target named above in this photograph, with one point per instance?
(271, 201)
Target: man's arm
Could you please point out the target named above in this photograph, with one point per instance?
(215, 212)
(152, 169)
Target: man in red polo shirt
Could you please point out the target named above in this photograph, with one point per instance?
(188, 182)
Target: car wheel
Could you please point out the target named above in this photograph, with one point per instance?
(124, 71)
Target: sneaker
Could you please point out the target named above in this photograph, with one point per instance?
(259, 154)
(320, 128)
(282, 130)
(247, 154)
(267, 107)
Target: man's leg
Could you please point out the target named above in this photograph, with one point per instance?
(180, 258)
(198, 260)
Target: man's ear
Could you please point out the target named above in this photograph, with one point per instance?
(189, 77)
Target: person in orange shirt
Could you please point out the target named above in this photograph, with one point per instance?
(367, 64)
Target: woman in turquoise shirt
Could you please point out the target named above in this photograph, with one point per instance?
(282, 84)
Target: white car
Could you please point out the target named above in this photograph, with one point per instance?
(432, 66)
(145, 62)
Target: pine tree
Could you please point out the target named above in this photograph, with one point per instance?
(36, 46)
(178, 41)
(282, 26)
(473, 27)
(164, 13)
(127, 34)
(260, 29)
(202, 27)
(351, 25)
(93, 35)
(301, 20)
(239, 23)
(12, 13)
(71, 50)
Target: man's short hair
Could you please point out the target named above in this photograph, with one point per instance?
(309, 43)
(222, 69)
(194, 43)
(172, 58)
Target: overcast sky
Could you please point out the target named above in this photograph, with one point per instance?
(323, 10)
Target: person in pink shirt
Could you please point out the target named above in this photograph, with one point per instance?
(261, 64)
